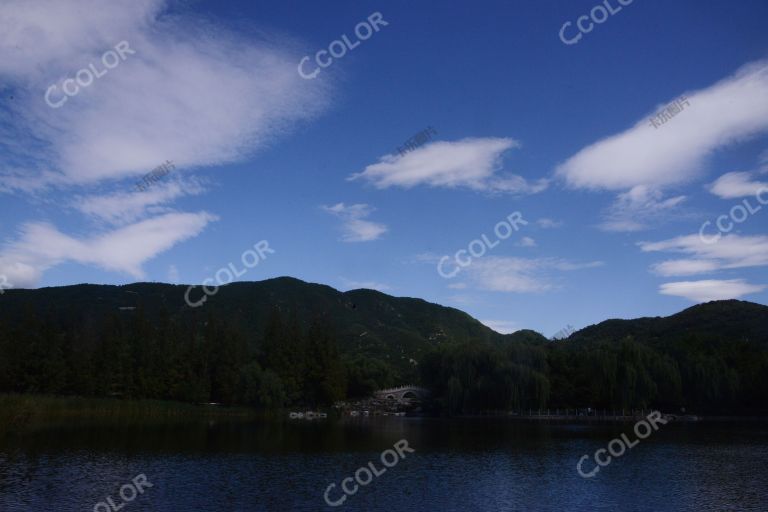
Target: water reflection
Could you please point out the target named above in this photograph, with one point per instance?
(462, 465)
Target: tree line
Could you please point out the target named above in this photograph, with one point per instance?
(168, 357)
(693, 373)
(129, 356)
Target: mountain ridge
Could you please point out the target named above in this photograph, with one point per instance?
(284, 341)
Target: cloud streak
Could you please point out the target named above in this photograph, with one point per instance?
(473, 163)
(124, 207)
(734, 185)
(722, 114)
(354, 225)
(41, 246)
(638, 208)
(642, 162)
(190, 90)
(708, 290)
(193, 92)
(730, 252)
(520, 275)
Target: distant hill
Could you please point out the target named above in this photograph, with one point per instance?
(710, 358)
(366, 321)
(731, 319)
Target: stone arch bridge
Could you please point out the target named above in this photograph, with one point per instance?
(402, 393)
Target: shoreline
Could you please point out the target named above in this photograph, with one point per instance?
(22, 412)
(18, 411)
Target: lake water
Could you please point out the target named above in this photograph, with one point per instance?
(462, 465)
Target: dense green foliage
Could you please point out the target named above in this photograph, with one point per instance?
(482, 377)
(284, 342)
(711, 358)
(129, 356)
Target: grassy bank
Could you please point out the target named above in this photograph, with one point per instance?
(21, 412)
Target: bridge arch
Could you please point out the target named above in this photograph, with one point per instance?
(402, 393)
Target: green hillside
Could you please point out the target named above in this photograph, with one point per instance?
(284, 342)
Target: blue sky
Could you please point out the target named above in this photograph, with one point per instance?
(524, 123)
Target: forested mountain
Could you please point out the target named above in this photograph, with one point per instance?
(262, 343)
(285, 342)
(366, 322)
(711, 357)
(731, 319)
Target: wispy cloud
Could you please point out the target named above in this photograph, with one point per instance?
(638, 208)
(520, 275)
(354, 225)
(545, 223)
(722, 114)
(194, 92)
(730, 252)
(474, 163)
(734, 185)
(41, 246)
(123, 207)
(644, 162)
(704, 291)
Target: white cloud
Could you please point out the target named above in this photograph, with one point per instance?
(472, 163)
(638, 208)
(733, 185)
(526, 241)
(519, 275)
(502, 326)
(643, 161)
(704, 291)
(194, 92)
(368, 285)
(355, 228)
(730, 252)
(724, 113)
(124, 207)
(41, 246)
(685, 267)
(545, 223)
